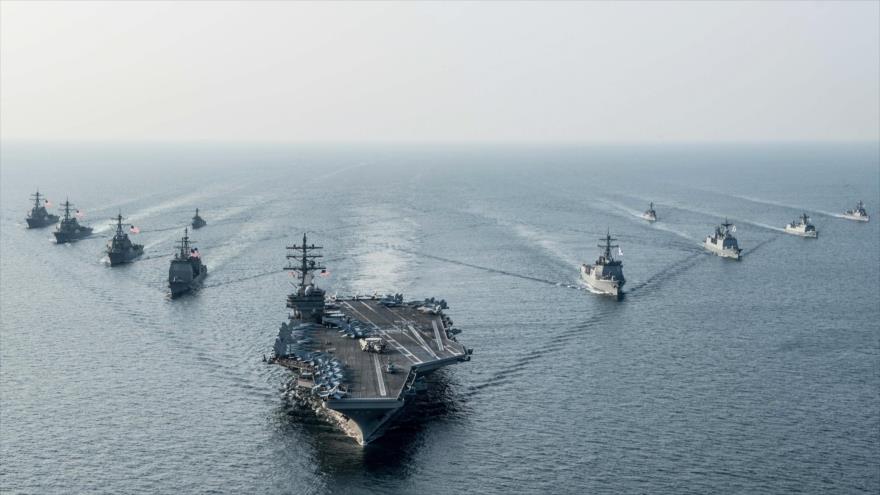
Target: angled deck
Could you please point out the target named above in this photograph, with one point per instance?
(415, 341)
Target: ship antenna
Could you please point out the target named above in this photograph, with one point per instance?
(607, 245)
(307, 261)
(119, 224)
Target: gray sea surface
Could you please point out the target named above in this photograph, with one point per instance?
(710, 376)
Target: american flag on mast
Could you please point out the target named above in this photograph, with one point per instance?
(48, 203)
(135, 230)
(194, 253)
(80, 214)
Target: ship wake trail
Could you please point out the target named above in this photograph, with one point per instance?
(562, 339)
(666, 272)
(484, 268)
(759, 245)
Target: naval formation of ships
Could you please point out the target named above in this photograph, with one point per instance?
(358, 361)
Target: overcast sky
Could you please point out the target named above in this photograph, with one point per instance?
(511, 72)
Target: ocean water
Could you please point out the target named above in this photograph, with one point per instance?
(711, 376)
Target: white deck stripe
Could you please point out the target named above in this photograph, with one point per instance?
(437, 335)
(361, 315)
(369, 307)
(381, 381)
(422, 342)
(400, 348)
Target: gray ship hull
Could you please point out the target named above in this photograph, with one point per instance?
(119, 258)
(179, 288)
(62, 237)
(734, 253)
(801, 233)
(604, 286)
(41, 222)
(857, 218)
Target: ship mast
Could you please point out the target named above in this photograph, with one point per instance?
(606, 247)
(119, 233)
(307, 261)
(183, 244)
(36, 197)
(66, 204)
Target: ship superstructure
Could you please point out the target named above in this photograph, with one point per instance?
(858, 213)
(649, 214)
(801, 226)
(197, 221)
(38, 216)
(70, 230)
(187, 270)
(606, 275)
(723, 243)
(359, 360)
(120, 249)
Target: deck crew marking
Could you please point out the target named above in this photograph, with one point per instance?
(437, 335)
(361, 315)
(422, 342)
(418, 340)
(381, 381)
(369, 307)
(400, 348)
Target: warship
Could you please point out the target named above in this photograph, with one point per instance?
(802, 227)
(197, 221)
(606, 276)
(358, 361)
(120, 249)
(722, 242)
(857, 213)
(38, 216)
(187, 270)
(649, 214)
(69, 229)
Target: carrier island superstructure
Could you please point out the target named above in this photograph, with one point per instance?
(358, 361)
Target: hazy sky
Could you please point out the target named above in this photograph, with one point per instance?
(583, 72)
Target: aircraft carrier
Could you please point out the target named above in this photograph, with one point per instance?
(359, 360)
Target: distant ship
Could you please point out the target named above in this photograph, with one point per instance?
(359, 361)
(723, 243)
(69, 229)
(857, 213)
(649, 214)
(802, 227)
(197, 221)
(38, 216)
(120, 249)
(606, 276)
(187, 270)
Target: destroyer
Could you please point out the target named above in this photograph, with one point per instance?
(69, 229)
(120, 249)
(649, 214)
(606, 276)
(722, 242)
(358, 361)
(857, 213)
(38, 216)
(187, 270)
(197, 221)
(802, 227)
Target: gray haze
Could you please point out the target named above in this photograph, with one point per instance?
(584, 72)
